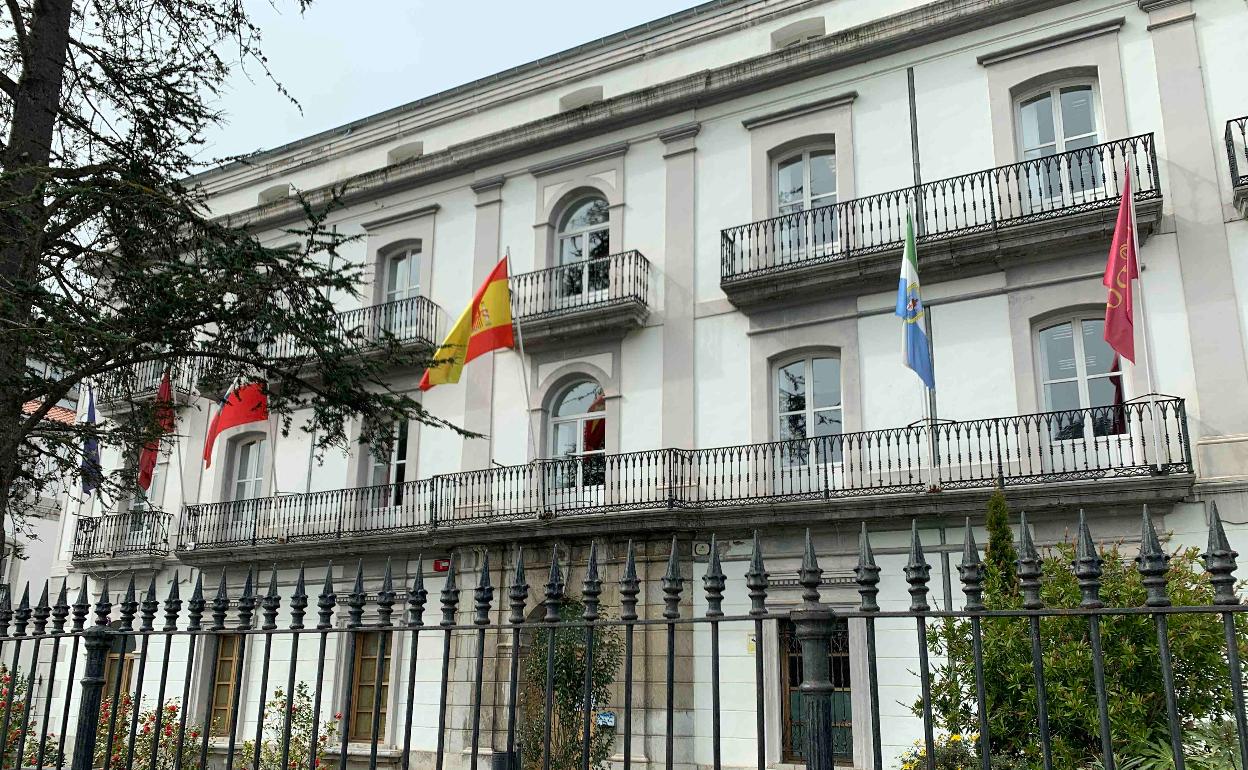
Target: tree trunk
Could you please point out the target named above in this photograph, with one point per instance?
(36, 103)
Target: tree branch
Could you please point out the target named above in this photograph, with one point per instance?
(19, 29)
(8, 85)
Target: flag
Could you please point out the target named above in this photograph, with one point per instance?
(484, 325)
(90, 466)
(246, 404)
(1120, 270)
(915, 351)
(165, 421)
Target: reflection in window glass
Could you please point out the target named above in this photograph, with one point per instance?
(808, 406)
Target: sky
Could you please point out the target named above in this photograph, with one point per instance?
(347, 59)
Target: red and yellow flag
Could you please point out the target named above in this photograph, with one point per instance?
(1120, 270)
(484, 325)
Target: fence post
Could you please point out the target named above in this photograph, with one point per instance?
(813, 630)
(98, 640)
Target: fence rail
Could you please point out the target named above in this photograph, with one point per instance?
(408, 320)
(1137, 438)
(614, 279)
(1236, 136)
(1042, 188)
(132, 533)
(565, 724)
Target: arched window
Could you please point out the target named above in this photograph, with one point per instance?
(584, 236)
(1080, 371)
(806, 180)
(1060, 119)
(391, 468)
(578, 433)
(808, 404)
(247, 469)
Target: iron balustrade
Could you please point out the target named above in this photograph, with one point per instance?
(413, 320)
(615, 279)
(1236, 136)
(143, 379)
(1138, 438)
(477, 638)
(1038, 189)
(140, 532)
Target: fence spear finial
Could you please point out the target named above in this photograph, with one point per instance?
(450, 594)
(1153, 563)
(42, 611)
(918, 571)
(518, 591)
(971, 570)
(1087, 566)
(672, 583)
(810, 576)
(714, 582)
(867, 573)
(195, 605)
(630, 586)
(103, 607)
(417, 595)
(591, 586)
(327, 602)
(756, 579)
(355, 599)
(60, 610)
(483, 595)
(1028, 568)
(386, 596)
(1219, 560)
(299, 600)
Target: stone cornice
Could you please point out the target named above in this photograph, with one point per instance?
(401, 216)
(579, 159)
(832, 102)
(902, 31)
(1052, 41)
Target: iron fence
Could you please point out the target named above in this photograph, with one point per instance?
(1138, 438)
(611, 280)
(1043, 188)
(358, 635)
(404, 321)
(131, 533)
(1236, 136)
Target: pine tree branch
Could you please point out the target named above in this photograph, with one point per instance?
(19, 29)
(8, 86)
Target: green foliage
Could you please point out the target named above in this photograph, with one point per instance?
(166, 744)
(1132, 669)
(13, 697)
(954, 751)
(301, 732)
(569, 684)
(1000, 556)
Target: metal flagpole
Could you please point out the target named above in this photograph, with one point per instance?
(524, 376)
(1148, 349)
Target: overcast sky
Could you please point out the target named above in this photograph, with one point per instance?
(347, 59)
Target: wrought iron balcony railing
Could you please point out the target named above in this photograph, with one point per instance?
(414, 320)
(612, 280)
(1137, 438)
(143, 380)
(1042, 188)
(1237, 150)
(132, 533)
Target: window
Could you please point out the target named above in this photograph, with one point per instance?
(403, 274)
(584, 235)
(371, 672)
(248, 471)
(808, 405)
(119, 662)
(391, 468)
(1080, 371)
(579, 434)
(1057, 120)
(797, 33)
(792, 735)
(228, 661)
(806, 180)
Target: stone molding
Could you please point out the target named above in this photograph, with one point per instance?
(1070, 36)
(839, 100)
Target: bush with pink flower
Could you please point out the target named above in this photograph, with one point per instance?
(302, 730)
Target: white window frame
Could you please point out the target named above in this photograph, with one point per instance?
(1054, 90)
(810, 410)
(257, 481)
(394, 465)
(1081, 377)
(586, 294)
(824, 199)
(413, 254)
(578, 420)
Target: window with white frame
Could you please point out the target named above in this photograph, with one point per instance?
(247, 472)
(578, 433)
(402, 271)
(584, 235)
(1081, 376)
(808, 404)
(391, 468)
(1060, 119)
(806, 180)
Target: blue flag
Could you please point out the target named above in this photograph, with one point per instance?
(916, 353)
(90, 467)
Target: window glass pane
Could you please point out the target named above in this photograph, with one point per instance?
(1078, 117)
(792, 426)
(1107, 392)
(791, 384)
(1036, 121)
(790, 186)
(581, 398)
(1057, 352)
(827, 422)
(595, 435)
(1082, 163)
(1098, 356)
(586, 213)
(396, 276)
(1060, 396)
(599, 244)
(827, 385)
(571, 250)
(822, 173)
(565, 439)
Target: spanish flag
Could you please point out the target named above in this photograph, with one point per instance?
(484, 325)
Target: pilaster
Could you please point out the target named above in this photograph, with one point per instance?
(678, 285)
(478, 376)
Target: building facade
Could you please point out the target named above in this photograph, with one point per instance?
(704, 218)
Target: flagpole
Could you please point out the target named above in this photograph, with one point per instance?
(1148, 349)
(524, 377)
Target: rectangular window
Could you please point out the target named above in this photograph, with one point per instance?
(792, 732)
(117, 663)
(371, 672)
(228, 661)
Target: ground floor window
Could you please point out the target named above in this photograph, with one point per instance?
(792, 729)
(228, 661)
(372, 671)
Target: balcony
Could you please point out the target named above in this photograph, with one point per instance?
(141, 382)
(600, 297)
(133, 536)
(410, 321)
(1048, 453)
(1237, 156)
(964, 225)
